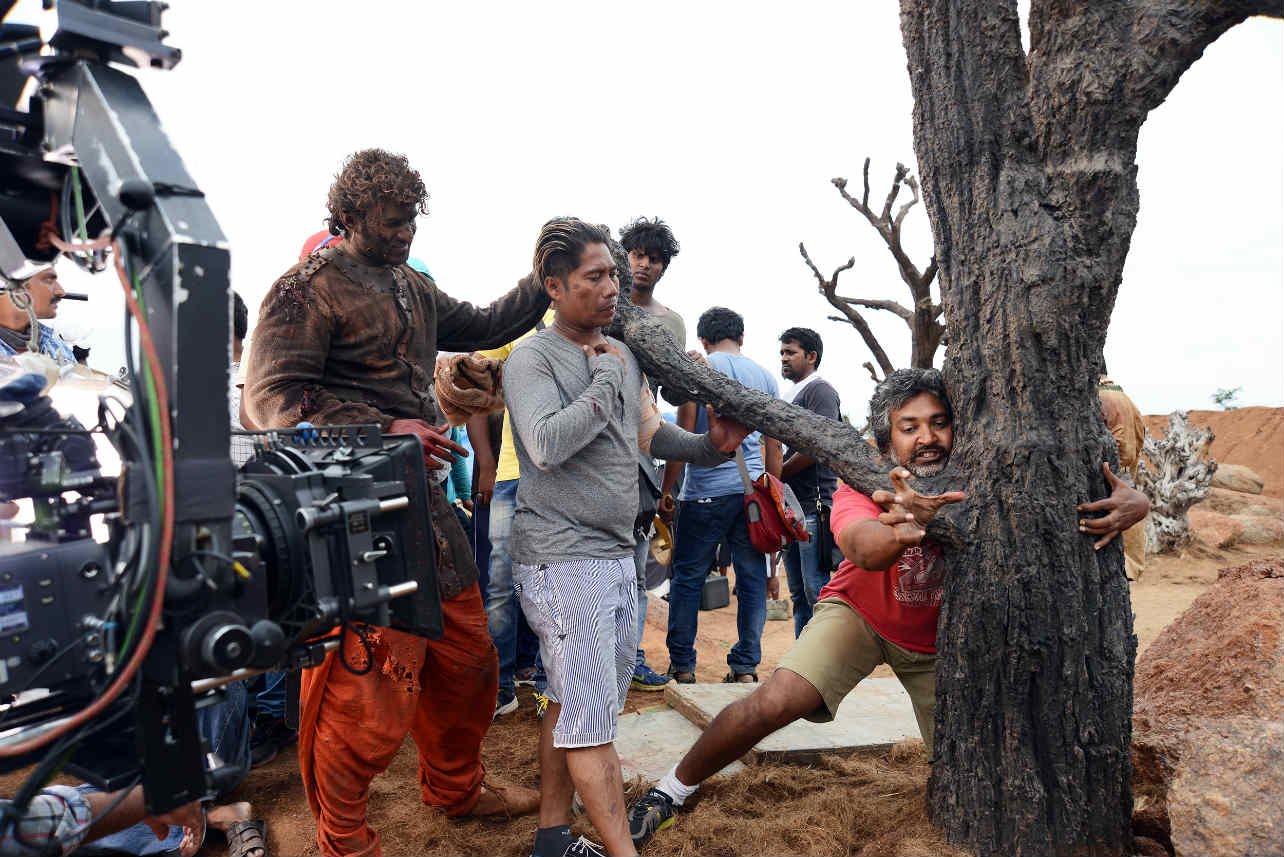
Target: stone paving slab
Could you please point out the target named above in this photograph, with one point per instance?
(652, 740)
(873, 717)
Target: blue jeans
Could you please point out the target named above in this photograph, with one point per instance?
(271, 699)
(226, 730)
(501, 601)
(806, 574)
(702, 524)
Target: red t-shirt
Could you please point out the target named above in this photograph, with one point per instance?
(902, 602)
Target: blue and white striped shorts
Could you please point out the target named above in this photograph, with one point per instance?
(585, 615)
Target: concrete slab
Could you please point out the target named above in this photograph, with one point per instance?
(652, 740)
(873, 717)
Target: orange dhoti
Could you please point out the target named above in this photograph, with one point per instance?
(441, 692)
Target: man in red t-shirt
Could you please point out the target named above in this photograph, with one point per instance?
(881, 606)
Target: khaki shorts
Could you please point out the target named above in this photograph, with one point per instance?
(838, 648)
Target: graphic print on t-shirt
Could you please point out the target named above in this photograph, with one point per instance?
(919, 575)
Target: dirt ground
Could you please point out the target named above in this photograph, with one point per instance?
(860, 805)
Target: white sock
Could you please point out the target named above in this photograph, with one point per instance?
(674, 788)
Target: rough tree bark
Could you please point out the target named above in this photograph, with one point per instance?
(1030, 184)
(1176, 477)
(923, 320)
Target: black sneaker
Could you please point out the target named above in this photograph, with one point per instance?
(652, 813)
(268, 737)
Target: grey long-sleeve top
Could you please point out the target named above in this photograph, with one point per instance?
(575, 431)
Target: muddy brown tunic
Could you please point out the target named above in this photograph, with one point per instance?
(341, 342)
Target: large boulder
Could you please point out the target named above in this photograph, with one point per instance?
(1208, 703)
(1259, 529)
(1238, 477)
(1227, 502)
(1214, 528)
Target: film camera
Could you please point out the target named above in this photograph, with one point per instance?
(208, 573)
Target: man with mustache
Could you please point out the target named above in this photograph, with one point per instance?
(881, 606)
(45, 292)
(349, 335)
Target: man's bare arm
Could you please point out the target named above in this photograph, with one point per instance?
(771, 455)
(479, 436)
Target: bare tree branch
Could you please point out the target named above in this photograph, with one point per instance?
(925, 331)
(869, 367)
(829, 289)
(890, 306)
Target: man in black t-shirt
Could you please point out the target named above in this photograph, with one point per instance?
(807, 564)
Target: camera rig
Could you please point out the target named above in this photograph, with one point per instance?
(210, 574)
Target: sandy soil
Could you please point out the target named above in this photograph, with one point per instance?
(869, 805)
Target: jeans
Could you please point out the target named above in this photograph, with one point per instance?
(225, 728)
(806, 574)
(640, 553)
(501, 602)
(702, 524)
(271, 699)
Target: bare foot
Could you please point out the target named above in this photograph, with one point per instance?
(222, 817)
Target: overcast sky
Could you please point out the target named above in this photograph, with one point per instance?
(726, 119)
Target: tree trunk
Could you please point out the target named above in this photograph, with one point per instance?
(1029, 182)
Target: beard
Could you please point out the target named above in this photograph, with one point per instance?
(931, 467)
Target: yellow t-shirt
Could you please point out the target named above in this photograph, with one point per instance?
(506, 468)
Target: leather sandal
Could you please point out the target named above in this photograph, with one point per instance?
(247, 839)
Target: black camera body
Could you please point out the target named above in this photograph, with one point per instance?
(322, 527)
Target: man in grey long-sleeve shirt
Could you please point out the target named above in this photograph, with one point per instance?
(579, 411)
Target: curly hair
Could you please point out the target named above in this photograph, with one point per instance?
(372, 177)
(653, 237)
(561, 243)
(719, 323)
(897, 389)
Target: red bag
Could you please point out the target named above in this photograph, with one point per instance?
(773, 514)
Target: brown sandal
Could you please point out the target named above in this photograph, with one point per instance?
(247, 839)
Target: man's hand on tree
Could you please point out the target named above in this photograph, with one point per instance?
(1124, 507)
(438, 447)
(725, 434)
(906, 510)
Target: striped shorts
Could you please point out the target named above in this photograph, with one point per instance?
(585, 615)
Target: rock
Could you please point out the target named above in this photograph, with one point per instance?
(1259, 529)
(1213, 528)
(1208, 698)
(1238, 503)
(1238, 477)
(1225, 797)
(779, 609)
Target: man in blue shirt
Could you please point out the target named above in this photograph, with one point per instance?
(710, 508)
